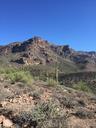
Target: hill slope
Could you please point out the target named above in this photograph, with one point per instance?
(36, 51)
(40, 105)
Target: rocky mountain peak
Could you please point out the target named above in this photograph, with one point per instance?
(39, 51)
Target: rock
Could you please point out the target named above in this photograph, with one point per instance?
(0, 125)
(1, 119)
(3, 103)
(1, 79)
(11, 100)
(15, 100)
(7, 123)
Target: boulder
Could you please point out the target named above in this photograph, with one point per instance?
(1, 119)
(7, 123)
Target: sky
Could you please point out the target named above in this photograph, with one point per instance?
(71, 22)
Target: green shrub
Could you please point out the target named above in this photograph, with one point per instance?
(20, 76)
(51, 82)
(17, 75)
(82, 86)
(8, 70)
(45, 111)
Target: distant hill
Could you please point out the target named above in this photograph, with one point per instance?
(36, 51)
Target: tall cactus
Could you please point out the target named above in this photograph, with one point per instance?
(56, 70)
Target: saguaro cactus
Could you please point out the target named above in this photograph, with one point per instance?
(56, 69)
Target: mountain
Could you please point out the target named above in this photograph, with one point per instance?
(36, 51)
(33, 96)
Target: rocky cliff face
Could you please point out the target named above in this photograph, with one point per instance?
(32, 51)
(37, 51)
(84, 60)
(76, 56)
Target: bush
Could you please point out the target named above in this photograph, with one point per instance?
(84, 114)
(51, 82)
(20, 76)
(45, 111)
(17, 75)
(82, 86)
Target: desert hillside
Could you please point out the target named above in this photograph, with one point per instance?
(37, 51)
(43, 106)
(29, 102)
(43, 85)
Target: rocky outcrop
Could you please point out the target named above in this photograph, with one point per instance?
(7, 123)
(36, 51)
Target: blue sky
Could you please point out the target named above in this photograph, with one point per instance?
(70, 22)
